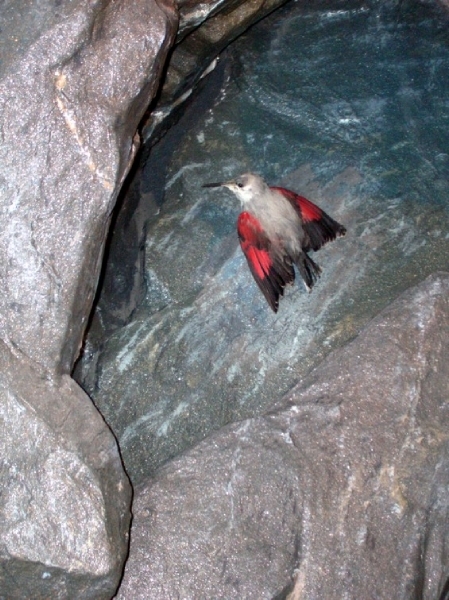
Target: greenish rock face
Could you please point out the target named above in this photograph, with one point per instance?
(347, 106)
(329, 495)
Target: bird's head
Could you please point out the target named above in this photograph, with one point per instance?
(245, 187)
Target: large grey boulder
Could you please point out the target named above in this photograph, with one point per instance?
(70, 103)
(341, 492)
(65, 499)
(75, 79)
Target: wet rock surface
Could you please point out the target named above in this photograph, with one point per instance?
(205, 29)
(75, 80)
(342, 488)
(189, 347)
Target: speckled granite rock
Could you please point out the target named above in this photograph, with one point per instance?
(341, 492)
(75, 79)
(65, 500)
(70, 103)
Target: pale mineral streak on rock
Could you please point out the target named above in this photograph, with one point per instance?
(291, 487)
(75, 81)
(339, 492)
(79, 93)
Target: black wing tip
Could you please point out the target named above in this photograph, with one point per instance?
(323, 231)
(271, 295)
(342, 231)
(273, 286)
(272, 289)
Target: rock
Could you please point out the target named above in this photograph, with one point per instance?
(204, 331)
(205, 29)
(70, 102)
(65, 501)
(75, 79)
(343, 487)
(194, 326)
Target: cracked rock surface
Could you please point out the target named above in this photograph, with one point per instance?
(342, 487)
(75, 79)
(70, 102)
(182, 341)
(65, 501)
(341, 491)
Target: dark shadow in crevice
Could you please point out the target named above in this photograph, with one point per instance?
(121, 287)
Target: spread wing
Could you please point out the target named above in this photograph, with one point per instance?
(319, 227)
(271, 269)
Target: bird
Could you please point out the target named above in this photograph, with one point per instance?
(276, 230)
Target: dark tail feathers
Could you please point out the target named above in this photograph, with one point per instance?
(308, 270)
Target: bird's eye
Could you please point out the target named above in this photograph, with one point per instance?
(239, 184)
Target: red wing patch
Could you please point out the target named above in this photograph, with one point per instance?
(319, 227)
(309, 211)
(270, 271)
(255, 244)
(260, 260)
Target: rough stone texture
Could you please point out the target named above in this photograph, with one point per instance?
(75, 79)
(346, 481)
(203, 330)
(65, 500)
(198, 47)
(70, 102)
(224, 22)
